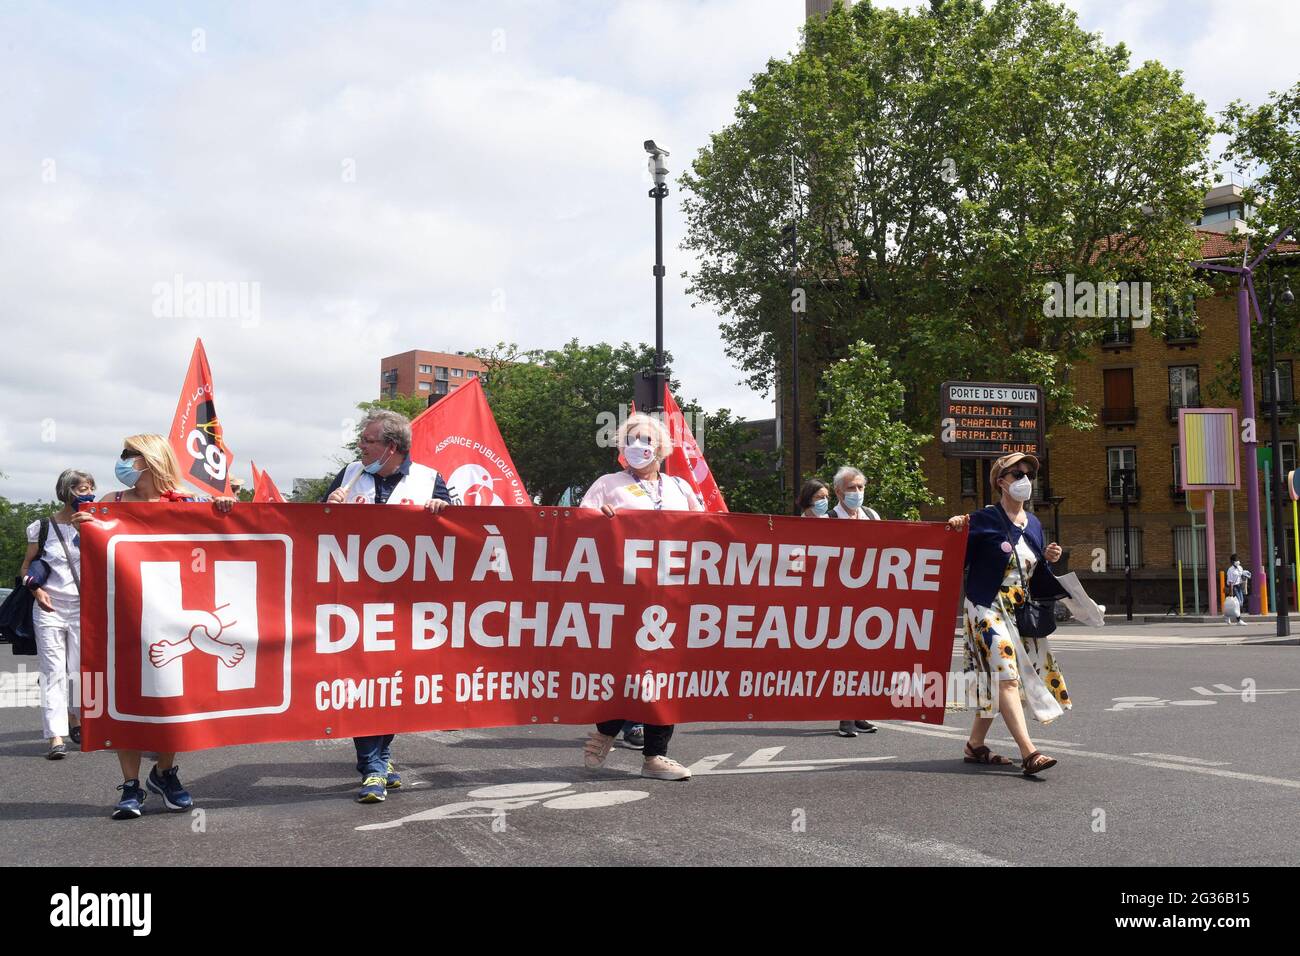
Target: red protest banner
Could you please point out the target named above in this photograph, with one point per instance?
(687, 461)
(196, 435)
(264, 489)
(459, 437)
(296, 622)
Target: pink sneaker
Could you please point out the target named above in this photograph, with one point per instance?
(664, 768)
(596, 749)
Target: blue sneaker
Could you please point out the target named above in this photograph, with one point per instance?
(394, 779)
(132, 803)
(168, 786)
(634, 736)
(372, 790)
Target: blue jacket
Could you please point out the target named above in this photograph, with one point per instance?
(986, 561)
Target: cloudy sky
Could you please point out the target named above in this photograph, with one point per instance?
(438, 175)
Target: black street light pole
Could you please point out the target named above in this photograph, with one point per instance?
(1124, 476)
(659, 170)
(1281, 579)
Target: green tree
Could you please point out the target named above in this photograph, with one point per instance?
(863, 429)
(1264, 145)
(15, 516)
(948, 161)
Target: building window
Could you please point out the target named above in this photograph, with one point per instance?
(456, 373)
(440, 373)
(424, 386)
(1288, 459)
(1184, 388)
(1115, 548)
(969, 472)
(1284, 380)
(1117, 333)
(426, 369)
(1189, 546)
(472, 374)
(1118, 461)
(440, 388)
(1182, 325)
(1118, 407)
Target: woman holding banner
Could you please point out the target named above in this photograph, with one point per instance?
(1005, 561)
(149, 470)
(644, 443)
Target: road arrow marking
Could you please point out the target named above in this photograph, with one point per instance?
(763, 761)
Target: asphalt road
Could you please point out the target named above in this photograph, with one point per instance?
(1191, 774)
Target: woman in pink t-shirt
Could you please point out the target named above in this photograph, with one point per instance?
(645, 443)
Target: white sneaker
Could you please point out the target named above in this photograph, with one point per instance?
(596, 749)
(664, 768)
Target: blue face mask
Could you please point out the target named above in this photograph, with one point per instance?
(821, 506)
(378, 463)
(852, 500)
(79, 500)
(126, 473)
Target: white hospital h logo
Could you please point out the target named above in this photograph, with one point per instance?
(168, 631)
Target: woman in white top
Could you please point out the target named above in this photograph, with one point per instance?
(57, 617)
(645, 443)
(850, 485)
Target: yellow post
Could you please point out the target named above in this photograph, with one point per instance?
(1263, 595)
(1295, 528)
(1222, 584)
(1180, 588)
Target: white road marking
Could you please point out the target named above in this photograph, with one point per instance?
(762, 761)
(1140, 761)
(1196, 760)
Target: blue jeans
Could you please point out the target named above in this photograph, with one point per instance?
(373, 755)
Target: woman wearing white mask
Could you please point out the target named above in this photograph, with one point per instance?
(1004, 668)
(850, 486)
(645, 443)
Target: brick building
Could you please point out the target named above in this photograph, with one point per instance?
(1136, 382)
(433, 374)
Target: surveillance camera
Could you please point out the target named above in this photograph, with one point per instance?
(651, 148)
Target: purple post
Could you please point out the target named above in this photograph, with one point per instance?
(1252, 466)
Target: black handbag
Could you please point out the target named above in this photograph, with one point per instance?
(1034, 618)
(16, 626)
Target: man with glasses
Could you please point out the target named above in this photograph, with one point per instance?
(385, 475)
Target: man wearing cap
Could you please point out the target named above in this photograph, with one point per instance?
(1007, 563)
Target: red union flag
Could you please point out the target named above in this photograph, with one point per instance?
(687, 461)
(459, 437)
(196, 435)
(264, 489)
(304, 622)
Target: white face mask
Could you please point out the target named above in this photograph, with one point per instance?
(1022, 489)
(638, 454)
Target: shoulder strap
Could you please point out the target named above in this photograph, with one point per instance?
(44, 536)
(76, 578)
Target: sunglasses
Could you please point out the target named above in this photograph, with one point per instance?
(1018, 473)
(128, 454)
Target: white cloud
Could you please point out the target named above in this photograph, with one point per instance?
(477, 170)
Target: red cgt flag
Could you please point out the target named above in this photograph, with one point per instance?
(195, 434)
(687, 461)
(459, 437)
(264, 488)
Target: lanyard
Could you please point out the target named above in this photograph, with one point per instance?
(657, 502)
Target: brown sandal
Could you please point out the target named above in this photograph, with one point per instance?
(1037, 762)
(982, 754)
